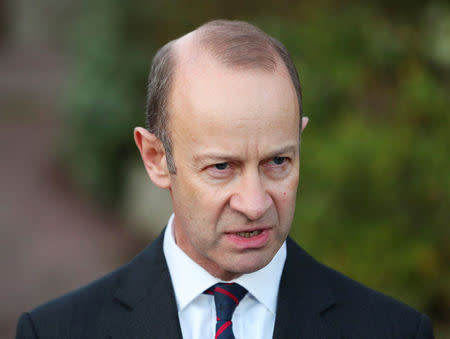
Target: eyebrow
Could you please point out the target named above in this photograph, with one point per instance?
(219, 156)
(287, 149)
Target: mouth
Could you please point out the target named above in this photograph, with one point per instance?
(249, 234)
(255, 238)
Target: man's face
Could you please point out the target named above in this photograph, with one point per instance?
(235, 136)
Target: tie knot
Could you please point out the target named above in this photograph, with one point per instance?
(226, 296)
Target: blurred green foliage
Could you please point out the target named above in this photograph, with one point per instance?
(374, 199)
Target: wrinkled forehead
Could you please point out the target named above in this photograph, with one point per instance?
(204, 89)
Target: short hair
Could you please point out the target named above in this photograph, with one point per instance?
(237, 44)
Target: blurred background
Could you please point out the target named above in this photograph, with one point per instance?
(374, 198)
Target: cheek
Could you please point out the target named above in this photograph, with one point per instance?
(207, 203)
(286, 197)
(288, 189)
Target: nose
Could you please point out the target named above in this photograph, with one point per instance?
(251, 198)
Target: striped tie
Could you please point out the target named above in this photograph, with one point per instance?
(227, 297)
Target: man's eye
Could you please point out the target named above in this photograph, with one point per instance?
(278, 160)
(222, 166)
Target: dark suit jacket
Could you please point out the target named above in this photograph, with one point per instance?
(137, 301)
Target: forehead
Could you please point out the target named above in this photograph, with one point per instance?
(196, 59)
(209, 99)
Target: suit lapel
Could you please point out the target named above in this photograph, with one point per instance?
(144, 305)
(303, 298)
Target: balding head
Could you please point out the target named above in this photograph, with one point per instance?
(235, 44)
(238, 45)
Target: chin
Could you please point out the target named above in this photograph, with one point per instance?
(250, 266)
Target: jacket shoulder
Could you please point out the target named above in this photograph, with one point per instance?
(370, 311)
(77, 310)
(362, 311)
(78, 314)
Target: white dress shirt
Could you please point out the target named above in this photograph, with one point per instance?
(255, 315)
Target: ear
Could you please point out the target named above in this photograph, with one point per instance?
(154, 157)
(305, 121)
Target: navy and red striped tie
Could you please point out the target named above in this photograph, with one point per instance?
(226, 296)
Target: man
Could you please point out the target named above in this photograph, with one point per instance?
(224, 123)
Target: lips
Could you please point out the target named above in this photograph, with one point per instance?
(254, 230)
(253, 238)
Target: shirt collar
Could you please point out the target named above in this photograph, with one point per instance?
(190, 279)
